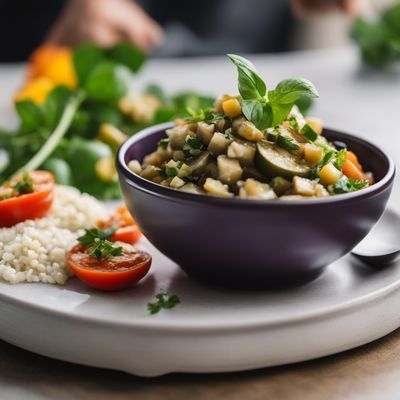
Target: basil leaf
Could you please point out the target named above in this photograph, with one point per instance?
(289, 91)
(107, 82)
(258, 113)
(125, 54)
(251, 86)
(280, 112)
(31, 115)
(85, 58)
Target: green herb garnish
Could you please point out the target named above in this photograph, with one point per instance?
(102, 248)
(193, 146)
(287, 143)
(228, 134)
(268, 109)
(204, 114)
(163, 143)
(98, 244)
(164, 300)
(340, 158)
(173, 171)
(25, 185)
(347, 185)
(92, 234)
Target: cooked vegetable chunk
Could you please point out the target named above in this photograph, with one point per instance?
(242, 151)
(218, 144)
(329, 174)
(275, 161)
(216, 188)
(232, 108)
(248, 131)
(229, 171)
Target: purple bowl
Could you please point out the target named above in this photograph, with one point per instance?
(242, 243)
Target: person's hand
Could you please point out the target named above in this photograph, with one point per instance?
(105, 22)
(304, 8)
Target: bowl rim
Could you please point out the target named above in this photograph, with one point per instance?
(165, 192)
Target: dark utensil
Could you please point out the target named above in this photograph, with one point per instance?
(242, 243)
(382, 245)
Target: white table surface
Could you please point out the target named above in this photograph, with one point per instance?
(360, 101)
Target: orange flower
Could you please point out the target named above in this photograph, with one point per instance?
(55, 63)
(36, 90)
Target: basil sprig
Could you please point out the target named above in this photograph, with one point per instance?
(268, 109)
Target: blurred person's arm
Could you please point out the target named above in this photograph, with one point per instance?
(305, 8)
(105, 22)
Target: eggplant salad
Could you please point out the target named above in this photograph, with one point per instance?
(257, 145)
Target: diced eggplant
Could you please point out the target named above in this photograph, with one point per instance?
(250, 172)
(216, 187)
(236, 124)
(219, 144)
(256, 190)
(157, 157)
(303, 186)
(199, 164)
(248, 131)
(205, 132)
(134, 166)
(177, 182)
(242, 151)
(275, 161)
(280, 185)
(229, 171)
(178, 155)
(192, 188)
(177, 136)
(150, 172)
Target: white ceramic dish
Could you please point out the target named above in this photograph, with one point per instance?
(211, 330)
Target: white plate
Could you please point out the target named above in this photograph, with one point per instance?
(211, 330)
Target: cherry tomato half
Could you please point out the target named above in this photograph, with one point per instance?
(109, 273)
(125, 227)
(30, 205)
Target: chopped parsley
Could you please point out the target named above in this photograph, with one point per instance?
(98, 244)
(228, 134)
(92, 234)
(173, 171)
(348, 185)
(163, 143)
(25, 185)
(102, 248)
(206, 114)
(165, 301)
(193, 146)
(340, 158)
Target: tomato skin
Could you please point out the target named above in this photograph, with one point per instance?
(29, 206)
(128, 234)
(108, 280)
(125, 227)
